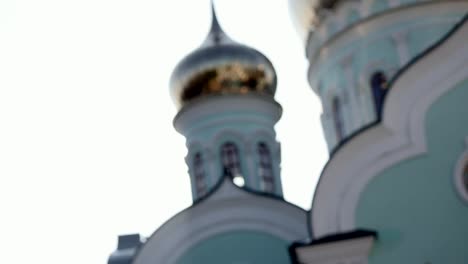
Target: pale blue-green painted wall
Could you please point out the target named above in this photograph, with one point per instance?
(374, 51)
(250, 129)
(238, 247)
(379, 6)
(413, 205)
(354, 11)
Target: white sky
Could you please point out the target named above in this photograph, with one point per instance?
(87, 147)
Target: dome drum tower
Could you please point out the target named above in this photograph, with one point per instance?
(238, 136)
(227, 112)
(224, 91)
(355, 49)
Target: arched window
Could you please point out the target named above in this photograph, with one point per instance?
(338, 118)
(231, 161)
(378, 83)
(199, 175)
(265, 168)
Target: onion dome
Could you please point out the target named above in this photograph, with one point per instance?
(221, 66)
(306, 14)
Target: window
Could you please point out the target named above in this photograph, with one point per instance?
(265, 169)
(231, 160)
(338, 118)
(199, 175)
(378, 83)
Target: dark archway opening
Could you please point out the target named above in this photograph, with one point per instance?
(379, 85)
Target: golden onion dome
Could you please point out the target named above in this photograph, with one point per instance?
(221, 66)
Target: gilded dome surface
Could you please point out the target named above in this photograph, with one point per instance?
(221, 66)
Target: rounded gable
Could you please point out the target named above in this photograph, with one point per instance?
(226, 209)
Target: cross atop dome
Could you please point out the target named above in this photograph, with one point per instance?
(216, 35)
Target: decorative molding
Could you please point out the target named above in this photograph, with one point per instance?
(199, 113)
(340, 18)
(207, 124)
(353, 92)
(331, 92)
(224, 135)
(319, 54)
(228, 209)
(330, 136)
(399, 136)
(400, 39)
(266, 136)
(251, 164)
(193, 146)
(210, 154)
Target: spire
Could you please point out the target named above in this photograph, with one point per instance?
(216, 36)
(216, 29)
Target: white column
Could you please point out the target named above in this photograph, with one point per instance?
(276, 164)
(330, 136)
(400, 39)
(365, 8)
(189, 172)
(346, 64)
(251, 179)
(211, 166)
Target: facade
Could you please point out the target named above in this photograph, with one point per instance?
(225, 94)
(392, 76)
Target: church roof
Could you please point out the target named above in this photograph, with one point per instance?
(214, 214)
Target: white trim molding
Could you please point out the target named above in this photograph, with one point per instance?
(399, 136)
(320, 52)
(228, 209)
(400, 40)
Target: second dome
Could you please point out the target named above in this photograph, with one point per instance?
(221, 66)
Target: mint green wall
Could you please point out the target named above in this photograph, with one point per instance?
(413, 205)
(379, 6)
(238, 247)
(352, 16)
(354, 12)
(244, 134)
(374, 51)
(423, 36)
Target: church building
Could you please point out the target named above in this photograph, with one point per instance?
(392, 76)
